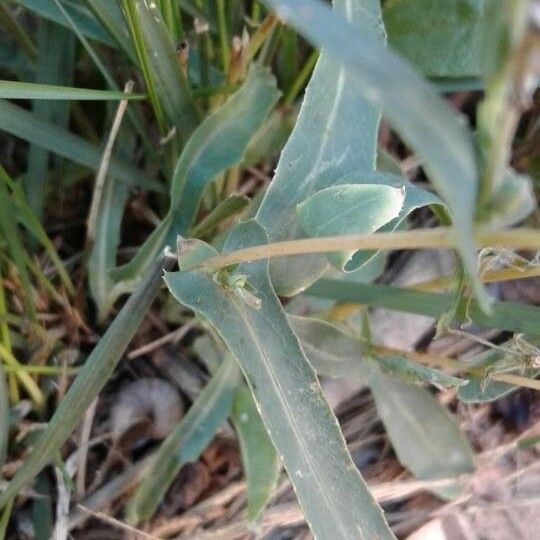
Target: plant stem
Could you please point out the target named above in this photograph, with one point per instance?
(440, 237)
(492, 276)
(451, 363)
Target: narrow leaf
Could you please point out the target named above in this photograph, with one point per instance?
(21, 123)
(167, 85)
(111, 18)
(505, 315)
(23, 90)
(259, 457)
(412, 373)
(217, 144)
(441, 38)
(103, 255)
(90, 380)
(421, 117)
(4, 416)
(335, 499)
(89, 26)
(186, 442)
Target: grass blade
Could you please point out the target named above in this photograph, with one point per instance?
(34, 227)
(29, 127)
(421, 117)
(186, 442)
(90, 27)
(111, 18)
(4, 416)
(167, 85)
(10, 234)
(505, 315)
(22, 90)
(55, 65)
(90, 380)
(334, 497)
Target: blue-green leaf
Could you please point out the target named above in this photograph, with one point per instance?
(84, 19)
(217, 144)
(259, 457)
(425, 437)
(333, 142)
(335, 499)
(414, 109)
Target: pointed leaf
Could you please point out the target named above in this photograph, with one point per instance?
(217, 144)
(23, 90)
(259, 457)
(425, 437)
(27, 126)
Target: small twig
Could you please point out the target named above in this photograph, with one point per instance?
(440, 237)
(175, 337)
(117, 523)
(83, 448)
(104, 167)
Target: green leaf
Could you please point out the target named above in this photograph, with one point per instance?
(84, 19)
(330, 351)
(4, 416)
(513, 201)
(259, 457)
(22, 90)
(227, 208)
(33, 225)
(411, 372)
(425, 437)
(90, 380)
(186, 442)
(21, 123)
(217, 144)
(107, 237)
(112, 19)
(349, 209)
(333, 353)
(268, 141)
(443, 38)
(220, 142)
(419, 115)
(9, 234)
(335, 499)
(55, 64)
(167, 85)
(333, 142)
(505, 315)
